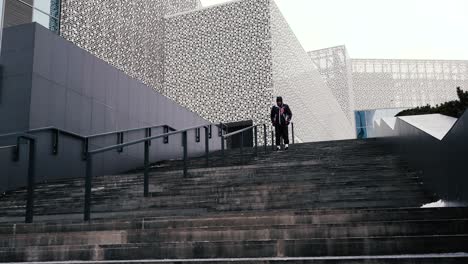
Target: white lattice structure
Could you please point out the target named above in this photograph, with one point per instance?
(381, 83)
(334, 65)
(127, 34)
(384, 84)
(218, 61)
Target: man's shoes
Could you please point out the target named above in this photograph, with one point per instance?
(286, 147)
(278, 148)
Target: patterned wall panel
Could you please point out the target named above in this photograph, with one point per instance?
(218, 61)
(335, 66)
(128, 34)
(317, 114)
(380, 83)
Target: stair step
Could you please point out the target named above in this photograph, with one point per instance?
(369, 246)
(239, 232)
(450, 258)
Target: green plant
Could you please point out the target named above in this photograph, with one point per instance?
(452, 108)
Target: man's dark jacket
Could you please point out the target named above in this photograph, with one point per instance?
(281, 118)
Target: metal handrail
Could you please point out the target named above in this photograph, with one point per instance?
(44, 129)
(7, 147)
(95, 135)
(130, 143)
(129, 130)
(241, 131)
(147, 141)
(31, 169)
(255, 129)
(85, 139)
(17, 134)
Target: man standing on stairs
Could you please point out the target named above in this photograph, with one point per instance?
(281, 116)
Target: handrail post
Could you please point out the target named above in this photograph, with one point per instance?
(256, 140)
(85, 148)
(165, 131)
(222, 148)
(146, 173)
(184, 142)
(88, 185)
(16, 156)
(207, 146)
(55, 141)
(148, 133)
(220, 129)
(31, 181)
(120, 140)
(265, 138)
(242, 148)
(272, 140)
(292, 132)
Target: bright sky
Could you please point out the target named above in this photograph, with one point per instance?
(404, 29)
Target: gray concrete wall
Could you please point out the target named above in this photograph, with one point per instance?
(442, 163)
(49, 81)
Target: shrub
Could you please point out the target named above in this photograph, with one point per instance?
(453, 108)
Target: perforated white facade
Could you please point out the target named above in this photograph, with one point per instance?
(127, 34)
(380, 83)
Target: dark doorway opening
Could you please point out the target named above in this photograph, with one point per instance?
(235, 141)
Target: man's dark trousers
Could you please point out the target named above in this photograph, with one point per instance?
(281, 131)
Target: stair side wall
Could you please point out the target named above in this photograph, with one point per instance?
(441, 163)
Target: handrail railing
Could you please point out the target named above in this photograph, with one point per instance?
(130, 143)
(255, 130)
(146, 141)
(8, 147)
(119, 133)
(130, 130)
(55, 144)
(241, 132)
(31, 169)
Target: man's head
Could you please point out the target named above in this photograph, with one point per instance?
(279, 101)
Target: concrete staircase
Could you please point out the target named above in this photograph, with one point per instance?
(330, 202)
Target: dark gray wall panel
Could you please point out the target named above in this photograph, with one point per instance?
(17, 49)
(16, 61)
(14, 104)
